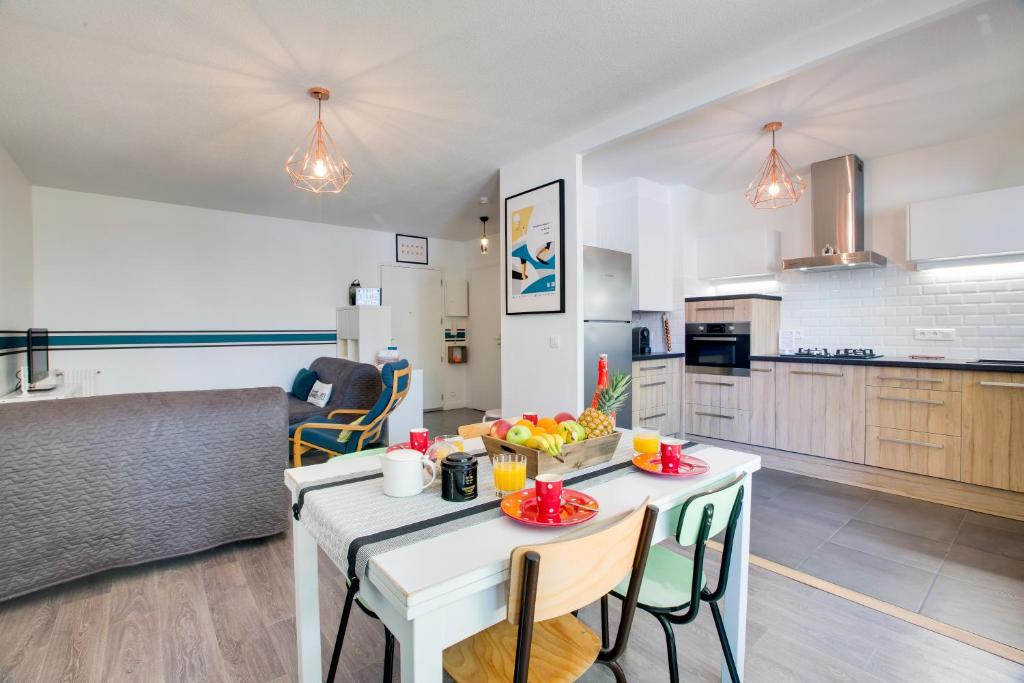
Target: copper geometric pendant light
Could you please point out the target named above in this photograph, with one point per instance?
(776, 184)
(315, 165)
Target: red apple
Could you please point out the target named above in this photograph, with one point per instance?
(499, 428)
(562, 417)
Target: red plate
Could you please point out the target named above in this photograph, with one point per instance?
(689, 466)
(522, 507)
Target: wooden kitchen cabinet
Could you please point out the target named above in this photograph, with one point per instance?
(993, 430)
(820, 410)
(914, 378)
(934, 455)
(720, 391)
(762, 403)
(657, 394)
(919, 410)
(719, 311)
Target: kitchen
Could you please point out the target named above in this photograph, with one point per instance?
(867, 339)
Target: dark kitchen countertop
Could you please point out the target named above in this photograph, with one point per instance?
(899, 362)
(658, 356)
(730, 297)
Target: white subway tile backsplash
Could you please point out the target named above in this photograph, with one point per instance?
(881, 308)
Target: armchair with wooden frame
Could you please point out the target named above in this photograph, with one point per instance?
(364, 427)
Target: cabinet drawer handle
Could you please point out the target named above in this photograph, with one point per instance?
(911, 379)
(652, 384)
(929, 401)
(760, 369)
(1011, 385)
(910, 442)
(724, 417)
(714, 384)
(653, 367)
(718, 339)
(651, 417)
(817, 374)
(716, 308)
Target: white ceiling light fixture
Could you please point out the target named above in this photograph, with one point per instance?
(484, 242)
(315, 165)
(776, 184)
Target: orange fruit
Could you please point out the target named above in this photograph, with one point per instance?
(537, 430)
(525, 423)
(548, 425)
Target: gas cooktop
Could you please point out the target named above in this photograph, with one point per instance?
(838, 353)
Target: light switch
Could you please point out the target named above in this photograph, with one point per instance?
(554, 341)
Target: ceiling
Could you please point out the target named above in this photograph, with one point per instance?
(200, 103)
(946, 80)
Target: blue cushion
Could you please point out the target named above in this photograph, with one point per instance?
(327, 439)
(303, 384)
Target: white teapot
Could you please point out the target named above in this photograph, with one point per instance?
(403, 472)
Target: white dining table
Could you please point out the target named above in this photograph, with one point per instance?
(436, 592)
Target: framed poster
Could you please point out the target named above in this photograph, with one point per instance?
(411, 249)
(534, 252)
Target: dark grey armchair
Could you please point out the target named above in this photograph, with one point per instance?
(356, 385)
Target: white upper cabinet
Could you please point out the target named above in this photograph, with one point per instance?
(635, 217)
(738, 253)
(966, 226)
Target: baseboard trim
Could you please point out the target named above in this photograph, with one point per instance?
(956, 633)
(982, 499)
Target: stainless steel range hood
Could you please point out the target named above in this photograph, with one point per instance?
(837, 206)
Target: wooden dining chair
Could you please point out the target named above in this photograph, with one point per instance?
(674, 585)
(542, 640)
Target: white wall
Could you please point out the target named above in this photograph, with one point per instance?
(880, 308)
(15, 264)
(111, 263)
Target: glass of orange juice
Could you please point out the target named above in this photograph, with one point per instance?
(646, 440)
(509, 473)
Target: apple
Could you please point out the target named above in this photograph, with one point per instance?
(562, 417)
(499, 428)
(518, 435)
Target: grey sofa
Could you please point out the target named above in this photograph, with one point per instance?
(356, 385)
(94, 483)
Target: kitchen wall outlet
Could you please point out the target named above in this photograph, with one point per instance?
(554, 341)
(934, 333)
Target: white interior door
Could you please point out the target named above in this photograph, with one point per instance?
(415, 297)
(484, 339)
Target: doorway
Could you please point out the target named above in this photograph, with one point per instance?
(415, 298)
(485, 339)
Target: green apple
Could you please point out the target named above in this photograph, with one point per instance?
(518, 435)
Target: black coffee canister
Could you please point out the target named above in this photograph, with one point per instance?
(458, 477)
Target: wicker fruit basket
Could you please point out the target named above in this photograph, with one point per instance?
(574, 456)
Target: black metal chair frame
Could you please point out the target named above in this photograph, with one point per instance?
(389, 638)
(669, 616)
(609, 654)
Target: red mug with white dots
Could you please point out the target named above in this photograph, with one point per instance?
(549, 495)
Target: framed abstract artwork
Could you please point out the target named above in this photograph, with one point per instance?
(534, 250)
(411, 249)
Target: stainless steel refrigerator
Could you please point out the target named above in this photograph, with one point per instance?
(607, 319)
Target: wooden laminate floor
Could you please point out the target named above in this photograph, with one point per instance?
(227, 615)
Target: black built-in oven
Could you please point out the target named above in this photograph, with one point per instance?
(718, 348)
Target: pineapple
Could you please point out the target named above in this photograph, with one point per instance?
(600, 421)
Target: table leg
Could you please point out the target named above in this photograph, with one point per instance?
(735, 613)
(307, 603)
(422, 650)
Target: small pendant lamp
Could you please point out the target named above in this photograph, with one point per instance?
(776, 184)
(484, 242)
(315, 165)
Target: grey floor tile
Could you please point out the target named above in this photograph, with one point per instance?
(891, 544)
(777, 477)
(787, 536)
(895, 583)
(838, 501)
(978, 567)
(992, 540)
(918, 517)
(987, 612)
(1004, 523)
(448, 421)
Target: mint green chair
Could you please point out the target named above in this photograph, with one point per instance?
(674, 586)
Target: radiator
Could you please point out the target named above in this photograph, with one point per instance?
(85, 379)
